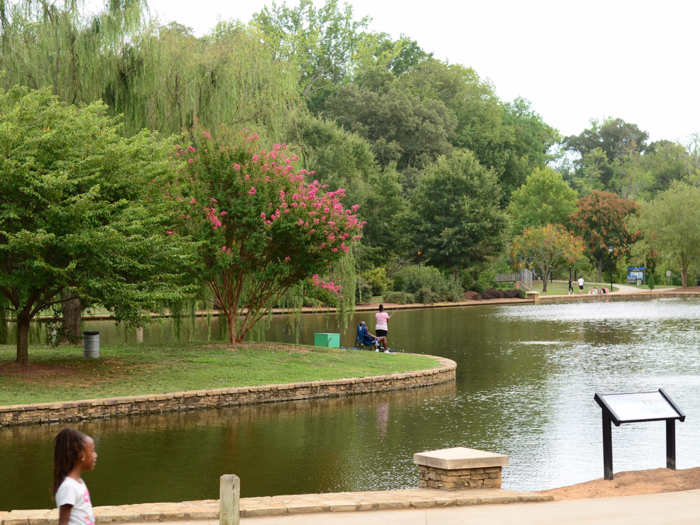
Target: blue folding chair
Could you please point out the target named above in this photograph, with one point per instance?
(364, 341)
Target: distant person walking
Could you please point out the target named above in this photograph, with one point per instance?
(571, 286)
(581, 282)
(382, 326)
(73, 453)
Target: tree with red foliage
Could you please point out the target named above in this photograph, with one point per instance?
(601, 220)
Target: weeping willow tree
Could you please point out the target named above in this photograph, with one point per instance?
(160, 77)
(56, 43)
(172, 79)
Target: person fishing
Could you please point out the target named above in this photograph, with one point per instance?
(382, 326)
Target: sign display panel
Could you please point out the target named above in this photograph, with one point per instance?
(634, 273)
(646, 406)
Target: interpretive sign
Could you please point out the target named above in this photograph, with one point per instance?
(636, 408)
(635, 273)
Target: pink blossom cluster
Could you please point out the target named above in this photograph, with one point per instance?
(315, 210)
(213, 218)
(326, 285)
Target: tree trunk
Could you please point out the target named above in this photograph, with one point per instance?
(231, 321)
(72, 317)
(3, 320)
(23, 338)
(456, 273)
(545, 276)
(684, 275)
(600, 269)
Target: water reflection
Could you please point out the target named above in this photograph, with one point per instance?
(525, 383)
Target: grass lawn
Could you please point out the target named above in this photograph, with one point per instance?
(562, 287)
(657, 287)
(61, 374)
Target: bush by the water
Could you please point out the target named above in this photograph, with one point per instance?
(477, 287)
(650, 281)
(427, 284)
(399, 298)
(501, 294)
(363, 291)
(378, 280)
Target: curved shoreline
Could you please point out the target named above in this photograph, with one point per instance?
(11, 415)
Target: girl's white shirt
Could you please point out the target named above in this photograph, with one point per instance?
(76, 493)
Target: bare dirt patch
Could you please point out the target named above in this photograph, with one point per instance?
(35, 370)
(694, 289)
(631, 484)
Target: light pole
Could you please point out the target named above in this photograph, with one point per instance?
(610, 251)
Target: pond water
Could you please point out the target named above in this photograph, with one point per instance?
(526, 378)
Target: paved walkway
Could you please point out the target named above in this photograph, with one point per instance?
(360, 502)
(633, 289)
(677, 508)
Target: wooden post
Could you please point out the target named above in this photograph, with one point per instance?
(139, 334)
(229, 500)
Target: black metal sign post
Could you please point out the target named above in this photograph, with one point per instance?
(636, 408)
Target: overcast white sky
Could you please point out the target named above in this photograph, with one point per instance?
(574, 60)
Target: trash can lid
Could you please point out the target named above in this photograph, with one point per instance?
(91, 333)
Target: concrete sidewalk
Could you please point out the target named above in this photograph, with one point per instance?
(677, 508)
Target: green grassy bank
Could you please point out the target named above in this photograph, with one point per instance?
(61, 374)
(562, 287)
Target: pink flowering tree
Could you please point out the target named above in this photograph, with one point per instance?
(263, 228)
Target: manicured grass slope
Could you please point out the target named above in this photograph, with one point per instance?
(61, 374)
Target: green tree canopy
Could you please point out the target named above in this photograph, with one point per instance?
(669, 225)
(319, 43)
(400, 127)
(341, 159)
(544, 199)
(456, 219)
(81, 208)
(616, 138)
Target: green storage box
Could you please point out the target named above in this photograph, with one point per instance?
(329, 340)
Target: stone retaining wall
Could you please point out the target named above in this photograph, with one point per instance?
(437, 478)
(616, 296)
(222, 397)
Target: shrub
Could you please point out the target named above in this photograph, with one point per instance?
(426, 296)
(650, 282)
(399, 298)
(378, 280)
(363, 291)
(501, 294)
(477, 287)
(421, 280)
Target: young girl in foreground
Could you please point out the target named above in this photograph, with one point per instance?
(73, 453)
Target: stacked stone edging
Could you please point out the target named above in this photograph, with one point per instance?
(616, 296)
(223, 397)
(284, 505)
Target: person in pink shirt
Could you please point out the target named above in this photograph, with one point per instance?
(382, 326)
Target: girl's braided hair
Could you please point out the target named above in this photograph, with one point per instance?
(67, 447)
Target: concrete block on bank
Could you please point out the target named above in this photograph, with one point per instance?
(459, 468)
